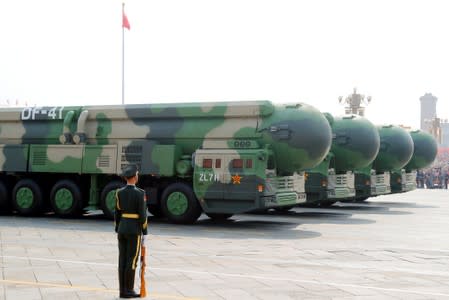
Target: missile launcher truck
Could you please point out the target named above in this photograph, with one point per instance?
(396, 149)
(424, 153)
(355, 144)
(218, 158)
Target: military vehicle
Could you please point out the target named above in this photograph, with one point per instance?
(396, 149)
(355, 144)
(219, 158)
(424, 153)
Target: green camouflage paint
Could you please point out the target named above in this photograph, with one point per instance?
(425, 150)
(396, 148)
(424, 153)
(92, 144)
(355, 144)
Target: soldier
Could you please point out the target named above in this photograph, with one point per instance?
(130, 224)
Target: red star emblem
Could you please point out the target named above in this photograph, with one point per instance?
(236, 179)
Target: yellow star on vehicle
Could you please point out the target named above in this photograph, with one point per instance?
(236, 179)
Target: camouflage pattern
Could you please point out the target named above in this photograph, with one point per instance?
(253, 183)
(424, 151)
(396, 149)
(355, 144)
(92, 144)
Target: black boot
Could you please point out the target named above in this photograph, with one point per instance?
(121, 282)
(129, 285)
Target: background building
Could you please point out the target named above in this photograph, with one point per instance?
(444, 134)
(428, 111)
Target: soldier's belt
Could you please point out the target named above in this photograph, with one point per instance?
(130, 216)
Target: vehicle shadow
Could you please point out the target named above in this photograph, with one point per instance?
(394, 204)
(272, 224)
(315, 216)
(237, 227)
(234, 228)
(366, 208)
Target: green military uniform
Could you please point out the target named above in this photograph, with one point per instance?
(130, 224)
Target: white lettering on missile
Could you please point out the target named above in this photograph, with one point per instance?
(26, 113)
(209, 177)
(33, 113)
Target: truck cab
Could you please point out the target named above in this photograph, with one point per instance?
(241, 180)
(340, 185)
(380, 183)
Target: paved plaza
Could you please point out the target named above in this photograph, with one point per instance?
(391, 247)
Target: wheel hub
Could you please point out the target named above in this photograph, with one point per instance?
(25, 197)
(64, 199)
(177, 203)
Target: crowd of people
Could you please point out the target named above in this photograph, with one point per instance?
(437, 175)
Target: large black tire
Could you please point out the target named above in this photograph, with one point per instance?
(327, 203)
(284, 208)
(309, 204)
(219, 217)
(66, 199)
(361, 199)
(107, 198)
(5, 205)
(27, 197)
(179, 204)
(155, 210)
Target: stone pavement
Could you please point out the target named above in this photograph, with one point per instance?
(391, 247)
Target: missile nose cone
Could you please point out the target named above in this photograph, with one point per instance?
(355, 142)
(302, 136)
(396, 148)
(425, 150)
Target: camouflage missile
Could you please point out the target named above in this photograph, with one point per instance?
(89, 145)
(299, 133)
(396, 148)
(355, 144)
(424, 151)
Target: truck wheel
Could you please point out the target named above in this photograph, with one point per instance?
(219, 217)
(4, 199)
(155, 210)
(27, 197)
(107, 199)
(66, 198)
(325, 204)
(179, 204)
(361, 199)
(284, 208)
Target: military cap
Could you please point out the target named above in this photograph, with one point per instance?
(129, 171)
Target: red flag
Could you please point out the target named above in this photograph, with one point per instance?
(125, 22)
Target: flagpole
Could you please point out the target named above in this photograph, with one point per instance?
(123, 56)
